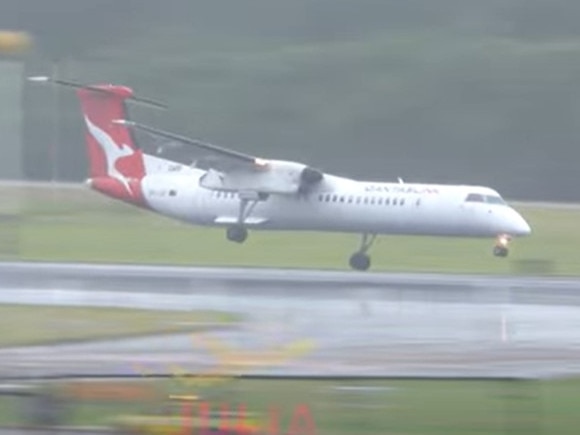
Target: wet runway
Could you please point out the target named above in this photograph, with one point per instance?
(359, 323)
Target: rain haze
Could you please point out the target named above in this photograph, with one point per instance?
(456, 91)
(116, 253)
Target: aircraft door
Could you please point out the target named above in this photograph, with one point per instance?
(202, 204)
(475, 211)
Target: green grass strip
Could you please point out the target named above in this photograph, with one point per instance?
(33, 325)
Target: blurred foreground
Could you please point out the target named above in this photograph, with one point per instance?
(298, 406)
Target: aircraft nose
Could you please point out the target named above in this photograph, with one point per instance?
(519, 225)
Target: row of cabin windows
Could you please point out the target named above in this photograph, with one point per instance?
(472, 197)
(225, 195)
(372, 200)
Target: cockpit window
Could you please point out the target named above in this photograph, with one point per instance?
(474, 197)
(492, 199)
(489, 199)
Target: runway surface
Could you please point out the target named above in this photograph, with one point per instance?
(359, 323)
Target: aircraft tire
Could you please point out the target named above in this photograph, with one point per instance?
(360, 261)
(237, 234)
(500, 251)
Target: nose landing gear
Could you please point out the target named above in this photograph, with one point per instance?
(501, 246)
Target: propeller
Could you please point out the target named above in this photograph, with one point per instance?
(309, 178)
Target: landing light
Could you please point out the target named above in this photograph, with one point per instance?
(503, 240)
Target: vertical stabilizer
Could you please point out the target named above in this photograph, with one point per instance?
(116, 164)
(110, 147)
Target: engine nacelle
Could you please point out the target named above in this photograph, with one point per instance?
(270, 176)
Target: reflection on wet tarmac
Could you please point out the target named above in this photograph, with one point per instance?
(357, 329)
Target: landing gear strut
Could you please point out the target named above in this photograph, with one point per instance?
(238, 232)
(501, 246)
(360, 260)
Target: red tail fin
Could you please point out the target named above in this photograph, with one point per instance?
(116, 164)
(110, 146)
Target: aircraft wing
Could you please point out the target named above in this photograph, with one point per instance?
(232, 170)
(215, 149)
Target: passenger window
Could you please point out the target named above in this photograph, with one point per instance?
(395, 201)
(388, 201)
(380, 201)
(402, 201)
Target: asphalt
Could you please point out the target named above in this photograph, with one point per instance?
(358, 323)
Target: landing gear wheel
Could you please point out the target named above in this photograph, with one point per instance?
(360, 261)
(237, 234)
(500, 251)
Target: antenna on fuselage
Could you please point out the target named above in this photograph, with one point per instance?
(400, 180)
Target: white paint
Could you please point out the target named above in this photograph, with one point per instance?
(178, 194)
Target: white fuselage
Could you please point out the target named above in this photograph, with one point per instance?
(341, 205)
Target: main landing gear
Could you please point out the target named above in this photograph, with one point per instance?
(238, 232)
(501, 246)
(360, 260)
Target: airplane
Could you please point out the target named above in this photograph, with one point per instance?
(239, 191)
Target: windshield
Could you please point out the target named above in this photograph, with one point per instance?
(493, 199)
(489, 199)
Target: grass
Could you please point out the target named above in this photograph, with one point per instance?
(79, 225)
(374, 407)
(31, 325)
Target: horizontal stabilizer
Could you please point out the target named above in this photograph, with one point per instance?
(232, 220)
(121, 91)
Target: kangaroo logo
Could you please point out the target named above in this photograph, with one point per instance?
(112, 151)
